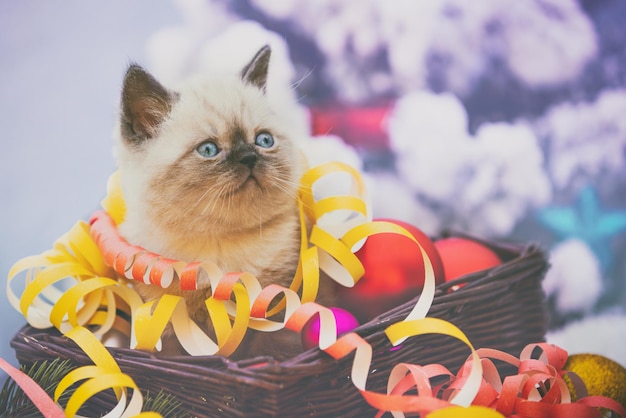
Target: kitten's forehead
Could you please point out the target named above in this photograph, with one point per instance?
(213, 109)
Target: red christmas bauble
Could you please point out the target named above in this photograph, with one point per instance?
(394, 272)
(461, 256)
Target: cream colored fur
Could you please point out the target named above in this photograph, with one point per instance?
(184, 206)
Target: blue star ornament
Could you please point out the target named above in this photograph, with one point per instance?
(587, 221)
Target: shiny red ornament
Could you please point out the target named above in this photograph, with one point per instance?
(462, 256)
(394, 272)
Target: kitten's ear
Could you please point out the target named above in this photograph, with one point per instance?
(255, 72)
(145, 104)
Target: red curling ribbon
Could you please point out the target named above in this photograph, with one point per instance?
(141, 265)
(307, 311)
(303, 314)
(111, 251)
(415, 377)
(125, 257)
(189, 276)
(135, 262)
(550, 353)
(225, 286)
(603, 402)
(264, 299)
(159, 269)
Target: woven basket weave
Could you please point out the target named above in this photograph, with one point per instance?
(501, 308)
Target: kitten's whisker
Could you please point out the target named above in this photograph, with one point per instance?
(205, 194)
(297, 83)
(287, 186)
(224, 198)
(212, 203)
(286, 190)
(209, 193)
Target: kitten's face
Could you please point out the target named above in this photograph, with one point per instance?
(210, 157)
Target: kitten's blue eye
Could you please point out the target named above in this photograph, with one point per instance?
(208, 149)
(264, 140)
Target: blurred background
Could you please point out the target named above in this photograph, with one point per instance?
(505, 120)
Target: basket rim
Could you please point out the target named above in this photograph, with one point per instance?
(513, 255)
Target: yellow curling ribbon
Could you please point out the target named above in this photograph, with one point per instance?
(237, 301)
(334, 203)
(191, 337)
(469, 412)
(93, 348)
(105, 374)
(45, 278)
(67, 304)
(113, 203)
(152, 318)
(229, 337)
(343, 260)
(307, 273)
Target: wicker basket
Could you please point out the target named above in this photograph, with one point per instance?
(501, 308)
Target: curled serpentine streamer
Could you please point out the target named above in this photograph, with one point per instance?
(91, 261)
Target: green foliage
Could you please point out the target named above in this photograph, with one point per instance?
(165, 404)
(47, 374)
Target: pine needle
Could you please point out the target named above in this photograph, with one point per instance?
(165, 404)
(47, 374)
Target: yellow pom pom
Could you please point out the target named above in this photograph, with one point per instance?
(603, 377)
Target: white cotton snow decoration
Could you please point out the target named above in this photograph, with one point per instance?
(233, 48)
(408, 29)
(172, 51)
(393, 199)
(586, 140)
(510, 178)
(276, 9)
(602, 334)
(574, 278)
(560, 42)
(482, 184)
(541, 42)
(329, 148)
(428, 133)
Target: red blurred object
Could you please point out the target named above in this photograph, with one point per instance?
(357, 126)
(462, 256)
(394, 272)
